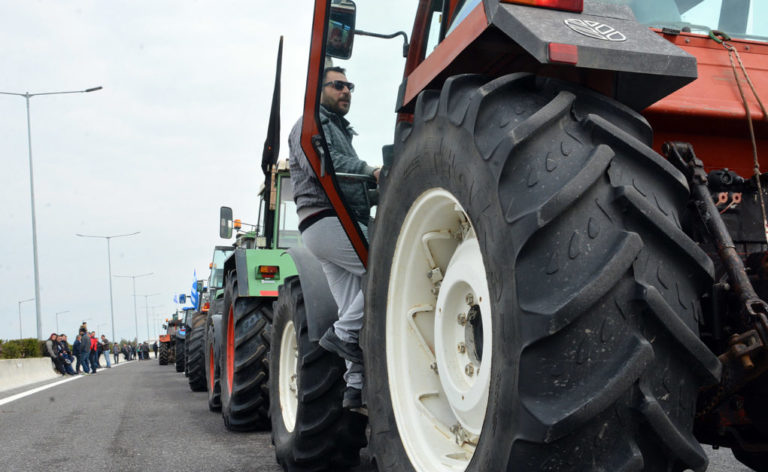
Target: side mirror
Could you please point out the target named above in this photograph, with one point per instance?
(225, 222)
(199, 286)
(341, 29)
(183, 298)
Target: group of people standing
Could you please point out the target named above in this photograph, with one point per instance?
(90, 349)
(84, 356)
(140, 351)
(85, 352)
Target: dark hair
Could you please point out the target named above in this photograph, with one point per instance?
(340, 70)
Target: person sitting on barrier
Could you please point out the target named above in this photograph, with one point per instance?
(66, 354)
(52, 351)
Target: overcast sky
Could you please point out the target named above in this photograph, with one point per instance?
(176, 132)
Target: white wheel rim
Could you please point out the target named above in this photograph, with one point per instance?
(439, 376)
(288, 376)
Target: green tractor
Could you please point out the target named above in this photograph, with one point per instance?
(252, 274)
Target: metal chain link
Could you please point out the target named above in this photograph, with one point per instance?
(723, 38)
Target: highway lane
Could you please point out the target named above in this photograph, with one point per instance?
(136, 417)
(141, 416)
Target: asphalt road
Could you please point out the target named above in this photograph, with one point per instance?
(138, 417)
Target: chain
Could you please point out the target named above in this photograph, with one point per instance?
(723, 39)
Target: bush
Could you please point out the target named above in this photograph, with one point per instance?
(21, 348)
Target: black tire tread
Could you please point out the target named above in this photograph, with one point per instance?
(163, 354)
(211, 342)
(573, 166)
(325, 436)
(196, 359)
(247, 407)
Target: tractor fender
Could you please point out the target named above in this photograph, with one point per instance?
(609, 38)
(238, 261)
(604, 47)
(321, 308)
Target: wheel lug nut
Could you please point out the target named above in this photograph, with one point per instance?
(470, 299)
(469, 370)
(462, 319)
(462, 348)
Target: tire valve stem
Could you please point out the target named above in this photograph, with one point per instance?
(433, 366)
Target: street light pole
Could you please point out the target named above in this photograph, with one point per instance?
(109, 265)
(27, 96)
(57, 319)
(20, 302)
(146, 309)
(135, 316)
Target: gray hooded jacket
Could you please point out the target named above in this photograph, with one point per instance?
(307, 191)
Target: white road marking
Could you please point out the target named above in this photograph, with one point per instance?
(38, 389)
(46, 387)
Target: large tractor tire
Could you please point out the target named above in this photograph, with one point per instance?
(196, 353)
(163, 354)
(172, 352)
(532, 302)
(179, 348)
(310, 429)
(244, 365)
(213, 342)
(186, 353)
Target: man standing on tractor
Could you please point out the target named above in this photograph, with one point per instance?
(322, 232)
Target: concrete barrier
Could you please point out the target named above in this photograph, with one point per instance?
(16, 373)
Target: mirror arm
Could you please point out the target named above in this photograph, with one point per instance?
(388, 36)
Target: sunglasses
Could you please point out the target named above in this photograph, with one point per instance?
(340, 84)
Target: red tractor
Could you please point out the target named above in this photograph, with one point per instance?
(568, 265)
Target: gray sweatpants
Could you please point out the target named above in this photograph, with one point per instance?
(327, 240)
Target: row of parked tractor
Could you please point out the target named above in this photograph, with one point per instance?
(224, 346)
(555, 280)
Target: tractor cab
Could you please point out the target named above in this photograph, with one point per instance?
(277, 223)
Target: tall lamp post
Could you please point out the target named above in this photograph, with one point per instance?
(20, 302)
(157, 320)
(57, 319)
(109, 265)
(146, 309)
(135, 316)
(27, 96)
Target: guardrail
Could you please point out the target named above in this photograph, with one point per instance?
(16, 373)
